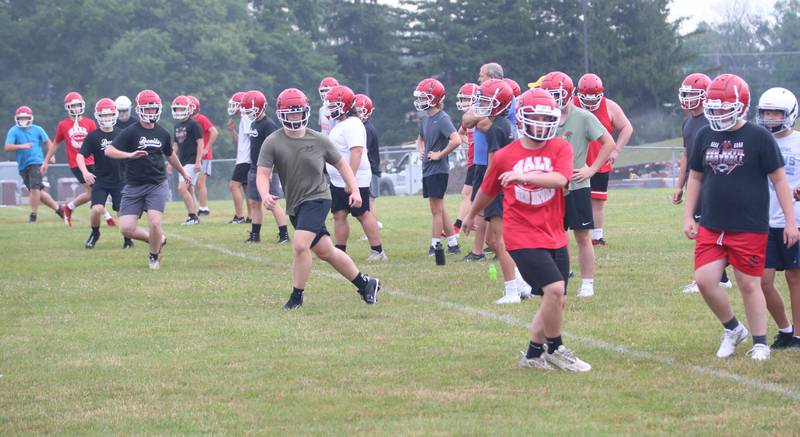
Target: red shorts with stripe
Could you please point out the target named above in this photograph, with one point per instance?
(599, 184)
(745, 251)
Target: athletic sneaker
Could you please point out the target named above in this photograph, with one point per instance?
(191, 221)
(32, 217)
(295, 301)
(67, 214)
(525, 290)
(471, 257)
(380, 225)
(153, 262)
(782, 340)
(370, 292)
(691, 288)
(235, 221)
(508, 299)
(374, 255)
(453, 250)
(586, 291)
(248, 220)
(431, 251)
(110, 222)
(599, 242)
(533, 363)
(127, 244)
(565, 359)
(795, 344)
(58, 213)
(92, 240)
(727, 284)
(759, 352)
(283, 239)
(203, 212)
(253, 238)
(488, 249)
(731, 339)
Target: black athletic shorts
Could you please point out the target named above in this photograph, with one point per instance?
(779, 256)
(101, 192)
(240, 173)
(310, 216)
(340, 200)
(470, 176)
(79, 174)
(477, 179)
(578, 210)
(542, 267)
(495, 209)
(599, 186)
(434, 185)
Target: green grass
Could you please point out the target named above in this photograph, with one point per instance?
(632, 155)
(93, 343)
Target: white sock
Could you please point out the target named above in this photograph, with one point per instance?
(71, 205)
(434, 242)
(203, 208)
(106, 215)
(786, 330)
(511, 288)
(587, 282)
(597, 233)
(452, 240)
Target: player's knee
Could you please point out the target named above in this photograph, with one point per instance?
(98, 209)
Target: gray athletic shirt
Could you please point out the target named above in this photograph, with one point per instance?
(435, 131)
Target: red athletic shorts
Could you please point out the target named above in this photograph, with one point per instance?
(745, 251)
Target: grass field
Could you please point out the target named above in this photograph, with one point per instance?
(93, 343)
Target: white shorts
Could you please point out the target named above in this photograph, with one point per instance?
(206, 164)
(192, 172)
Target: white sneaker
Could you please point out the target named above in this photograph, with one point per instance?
(377, 256)
(565, 359)
(522, 286)
(154, 264)
(533, 363)
(364, 237)
(586, 291)
(759, 352)
(731, 339)
(508, 299)
(380, 225)
(728, 284)
(691, 288)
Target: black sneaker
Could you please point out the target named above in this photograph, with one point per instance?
(370, 292)
(283, 239)
(453, 250)
(191, 221)
(471, 257)
(127, 244)
(248, 220)
(235, 221)
(203, 212)
(253, 238)
(794, 344)
(431, 251)
(295, 301)
(32, 217)
(59, 213)
(488, 249)
(599, 242)
(782, 340)
(92, 240)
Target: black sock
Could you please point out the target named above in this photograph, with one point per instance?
(283, 231)
(192, 216)
(128, 240)
(297, 291)
(96, 230)
(535, 350)
(759, 339)
(724, 276)
(731, 324)
(378, 248)
(360, 281)
(553, 344)
(342, 247)
(458, 223)
(256, 229)
(153, 256)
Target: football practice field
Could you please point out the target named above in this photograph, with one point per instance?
(94, 343)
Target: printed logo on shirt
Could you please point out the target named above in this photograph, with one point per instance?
(104, 143)
(725, 157)
(77, 134)
(533, 196)
(145, 142)
(180, 134)
(566, 135)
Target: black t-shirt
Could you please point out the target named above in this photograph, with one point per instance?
(373, 149)
(259, 131)
(735, 165)
(122, 125)
(187, 133)
(691, 126)
(499, 134)
(107, 171)
(158, 145)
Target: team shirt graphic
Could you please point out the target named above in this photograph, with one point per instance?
(529, 194)
(726, 157)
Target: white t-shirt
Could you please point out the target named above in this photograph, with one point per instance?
(790, 149)
(243, 146)
(325, 122)
(347, 135)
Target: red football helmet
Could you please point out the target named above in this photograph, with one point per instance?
(560, 86)
(181, 108)
(148, 106)
(466, 96)
(692, 92)
(538, 114)
(195, 104)
(23, 117)
(494, 98)
(325, 85)
(339, 101)
(590, 91)
(74, 104)
(105, 112)
(292, 101)
(363, 107)
(234, 102)
(428, 94)
(514, 86)
(727, 101)
(254, 104)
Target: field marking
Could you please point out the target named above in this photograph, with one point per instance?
(513, 321)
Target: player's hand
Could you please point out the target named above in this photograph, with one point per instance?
(467, 225)
(511, 176)
(138, 154)
(612, 157)
(690, 228)
(25, 146)
(790, 236)
(582, 174)
(186, 178)
(270, 202)
(198, 165)
(231, 125)
(796, 193)
(53, 159)
(677, 196)
(435, 156)
(89, 178)
(43, 168)
(355, 199)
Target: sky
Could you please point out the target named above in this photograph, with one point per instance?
(715, 10)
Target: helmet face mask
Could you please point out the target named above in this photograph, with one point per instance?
(484, 106)
(23, 118)
(777, 110)
(774, 120)
(290, 121)
(561, 96)
(106, 114)
(538, 115)
(691, 98)
(148, 106)
(422, 101)
(590, 102)
(721, 115)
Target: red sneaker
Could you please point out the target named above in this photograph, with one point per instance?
(456, 229)
(67, 214)
(111, 222)
(599, 242)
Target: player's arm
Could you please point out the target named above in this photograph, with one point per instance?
(52, 148)
(471, 120)
(607, 146)
(782, 190)
(173, 160)
(453, 142)
(677, 196)
(621, 125)
(263, 178)
(201, 151)
(462, 132)
(87, 175)
(10, 147)
(212, 136)
(232, 130)
(114, 153)
(420, 145)
(482, 200)
(545, 180)
(351, 185)
(355, 158)
(691, 198)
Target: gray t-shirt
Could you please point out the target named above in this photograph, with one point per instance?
(300, 163)
(580, 127)
(435, 131)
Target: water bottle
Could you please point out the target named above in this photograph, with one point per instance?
(438, 251)
(492, 272)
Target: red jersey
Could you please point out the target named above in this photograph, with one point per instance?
(533, 217)
(470, 146)
(73, 135)
(205, 125)
(595, 146)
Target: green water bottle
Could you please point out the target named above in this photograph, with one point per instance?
(492, 272)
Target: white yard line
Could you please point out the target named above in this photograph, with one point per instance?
(513, 321)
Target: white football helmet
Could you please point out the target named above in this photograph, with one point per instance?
(777, 99)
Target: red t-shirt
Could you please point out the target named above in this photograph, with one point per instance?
(533, 217)
(73, 135)
(205, 125)
(595, 146)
